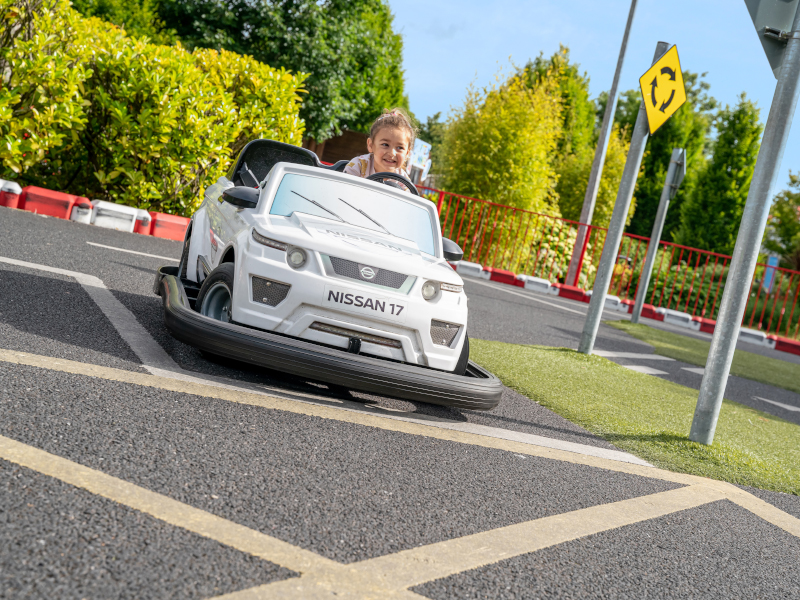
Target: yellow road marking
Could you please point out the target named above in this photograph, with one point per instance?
(162, 507)
(376, 577)
(386, 576)
(326, 412)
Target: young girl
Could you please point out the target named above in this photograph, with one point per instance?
(390, 141)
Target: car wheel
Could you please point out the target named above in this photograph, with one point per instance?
(216, 294)
(461, 365)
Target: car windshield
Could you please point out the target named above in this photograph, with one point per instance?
(356, 205)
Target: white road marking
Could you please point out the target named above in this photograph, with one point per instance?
(157, 362)
(781, 404)
(152, 355)
(645, 370)
(631, 355)
(695, 370)
(502, 287)
(529, 297)
(133, 252)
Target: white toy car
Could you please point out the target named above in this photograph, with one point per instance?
(346, 277)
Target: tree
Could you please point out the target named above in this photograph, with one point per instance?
(433, 131)
(348, 48)
(711, 215)
(574, 171)
(783, 228)
(500, 145)
(578, 139)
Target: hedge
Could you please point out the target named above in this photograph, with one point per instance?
(119, 118)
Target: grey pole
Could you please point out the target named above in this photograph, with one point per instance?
(605, 271)
(748, 243)
(599, 157)
(676, 162)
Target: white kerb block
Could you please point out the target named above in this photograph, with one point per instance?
(676, 317)
(114, 216)
(612, 302)
(11, 187)
(537, 284)
(754, 336)
(81, 213)
(469, 269)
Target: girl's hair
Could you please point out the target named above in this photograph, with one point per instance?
(397, 118)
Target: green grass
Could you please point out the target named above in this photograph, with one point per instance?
(649, 417)
(779, 373)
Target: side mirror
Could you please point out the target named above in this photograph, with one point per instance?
(241, 196)
(452, 251)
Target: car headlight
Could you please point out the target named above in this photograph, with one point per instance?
(269, 242)
(296, 258)
(429, 289)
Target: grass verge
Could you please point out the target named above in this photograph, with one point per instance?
(649, 417)
(772, 371)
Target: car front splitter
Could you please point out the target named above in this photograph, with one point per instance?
(477, 390)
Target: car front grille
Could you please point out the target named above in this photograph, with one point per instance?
(350, 333)
(354, 270)
(271, 293)
(443, 333)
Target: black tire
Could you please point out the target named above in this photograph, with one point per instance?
(183, 264)
(463, 360)
(211, 300)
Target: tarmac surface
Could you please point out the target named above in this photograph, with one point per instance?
(121, 478)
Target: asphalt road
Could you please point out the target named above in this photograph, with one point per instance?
(216, 478)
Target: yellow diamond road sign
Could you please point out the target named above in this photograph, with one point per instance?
(663, 90)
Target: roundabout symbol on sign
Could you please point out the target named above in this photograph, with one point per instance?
(663, 90)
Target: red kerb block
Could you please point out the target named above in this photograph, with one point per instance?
(503, 276)
(171, 227)
(11, 200)
(785, 344)
(649, 312)
(706, 325)
(573, 292)
(49, 202)
(628, 303)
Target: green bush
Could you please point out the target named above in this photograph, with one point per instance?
(150, 126)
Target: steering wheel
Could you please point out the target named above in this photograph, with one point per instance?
(395, 177)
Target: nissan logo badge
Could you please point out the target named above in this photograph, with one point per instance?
(367, 273)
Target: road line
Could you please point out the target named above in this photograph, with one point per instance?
(529, 297)
(416, 566)
(695, 370)
(781, 404)
(152, 355)
(133, 252)
(502, 287)
(645, 370)
(354, 412)
(630, 355)
(162, 507)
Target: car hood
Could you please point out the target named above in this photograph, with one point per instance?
(358, 244)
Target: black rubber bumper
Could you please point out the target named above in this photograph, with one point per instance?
(477, 390)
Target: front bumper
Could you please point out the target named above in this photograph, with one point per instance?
(477, 390)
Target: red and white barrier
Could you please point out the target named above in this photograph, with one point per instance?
(9, 194)
(170, 227)
(48, 202)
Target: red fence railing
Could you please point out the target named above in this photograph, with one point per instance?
(686, 279)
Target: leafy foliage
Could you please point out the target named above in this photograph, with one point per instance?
(500, 145)
(710, 217)
(349, 48)
(149, 125)
(783, 229)
(139, 18)
(41, 94)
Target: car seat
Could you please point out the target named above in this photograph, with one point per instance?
(259, 156)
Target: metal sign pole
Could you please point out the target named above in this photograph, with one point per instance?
(748, 242)
(608, 259)
(593, 186)
(675, 174)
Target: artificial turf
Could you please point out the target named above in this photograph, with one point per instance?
(780, 373)
(649, 417)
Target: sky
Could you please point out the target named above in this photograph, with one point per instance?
(449, 44)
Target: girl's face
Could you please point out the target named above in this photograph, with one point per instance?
(390, 149)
